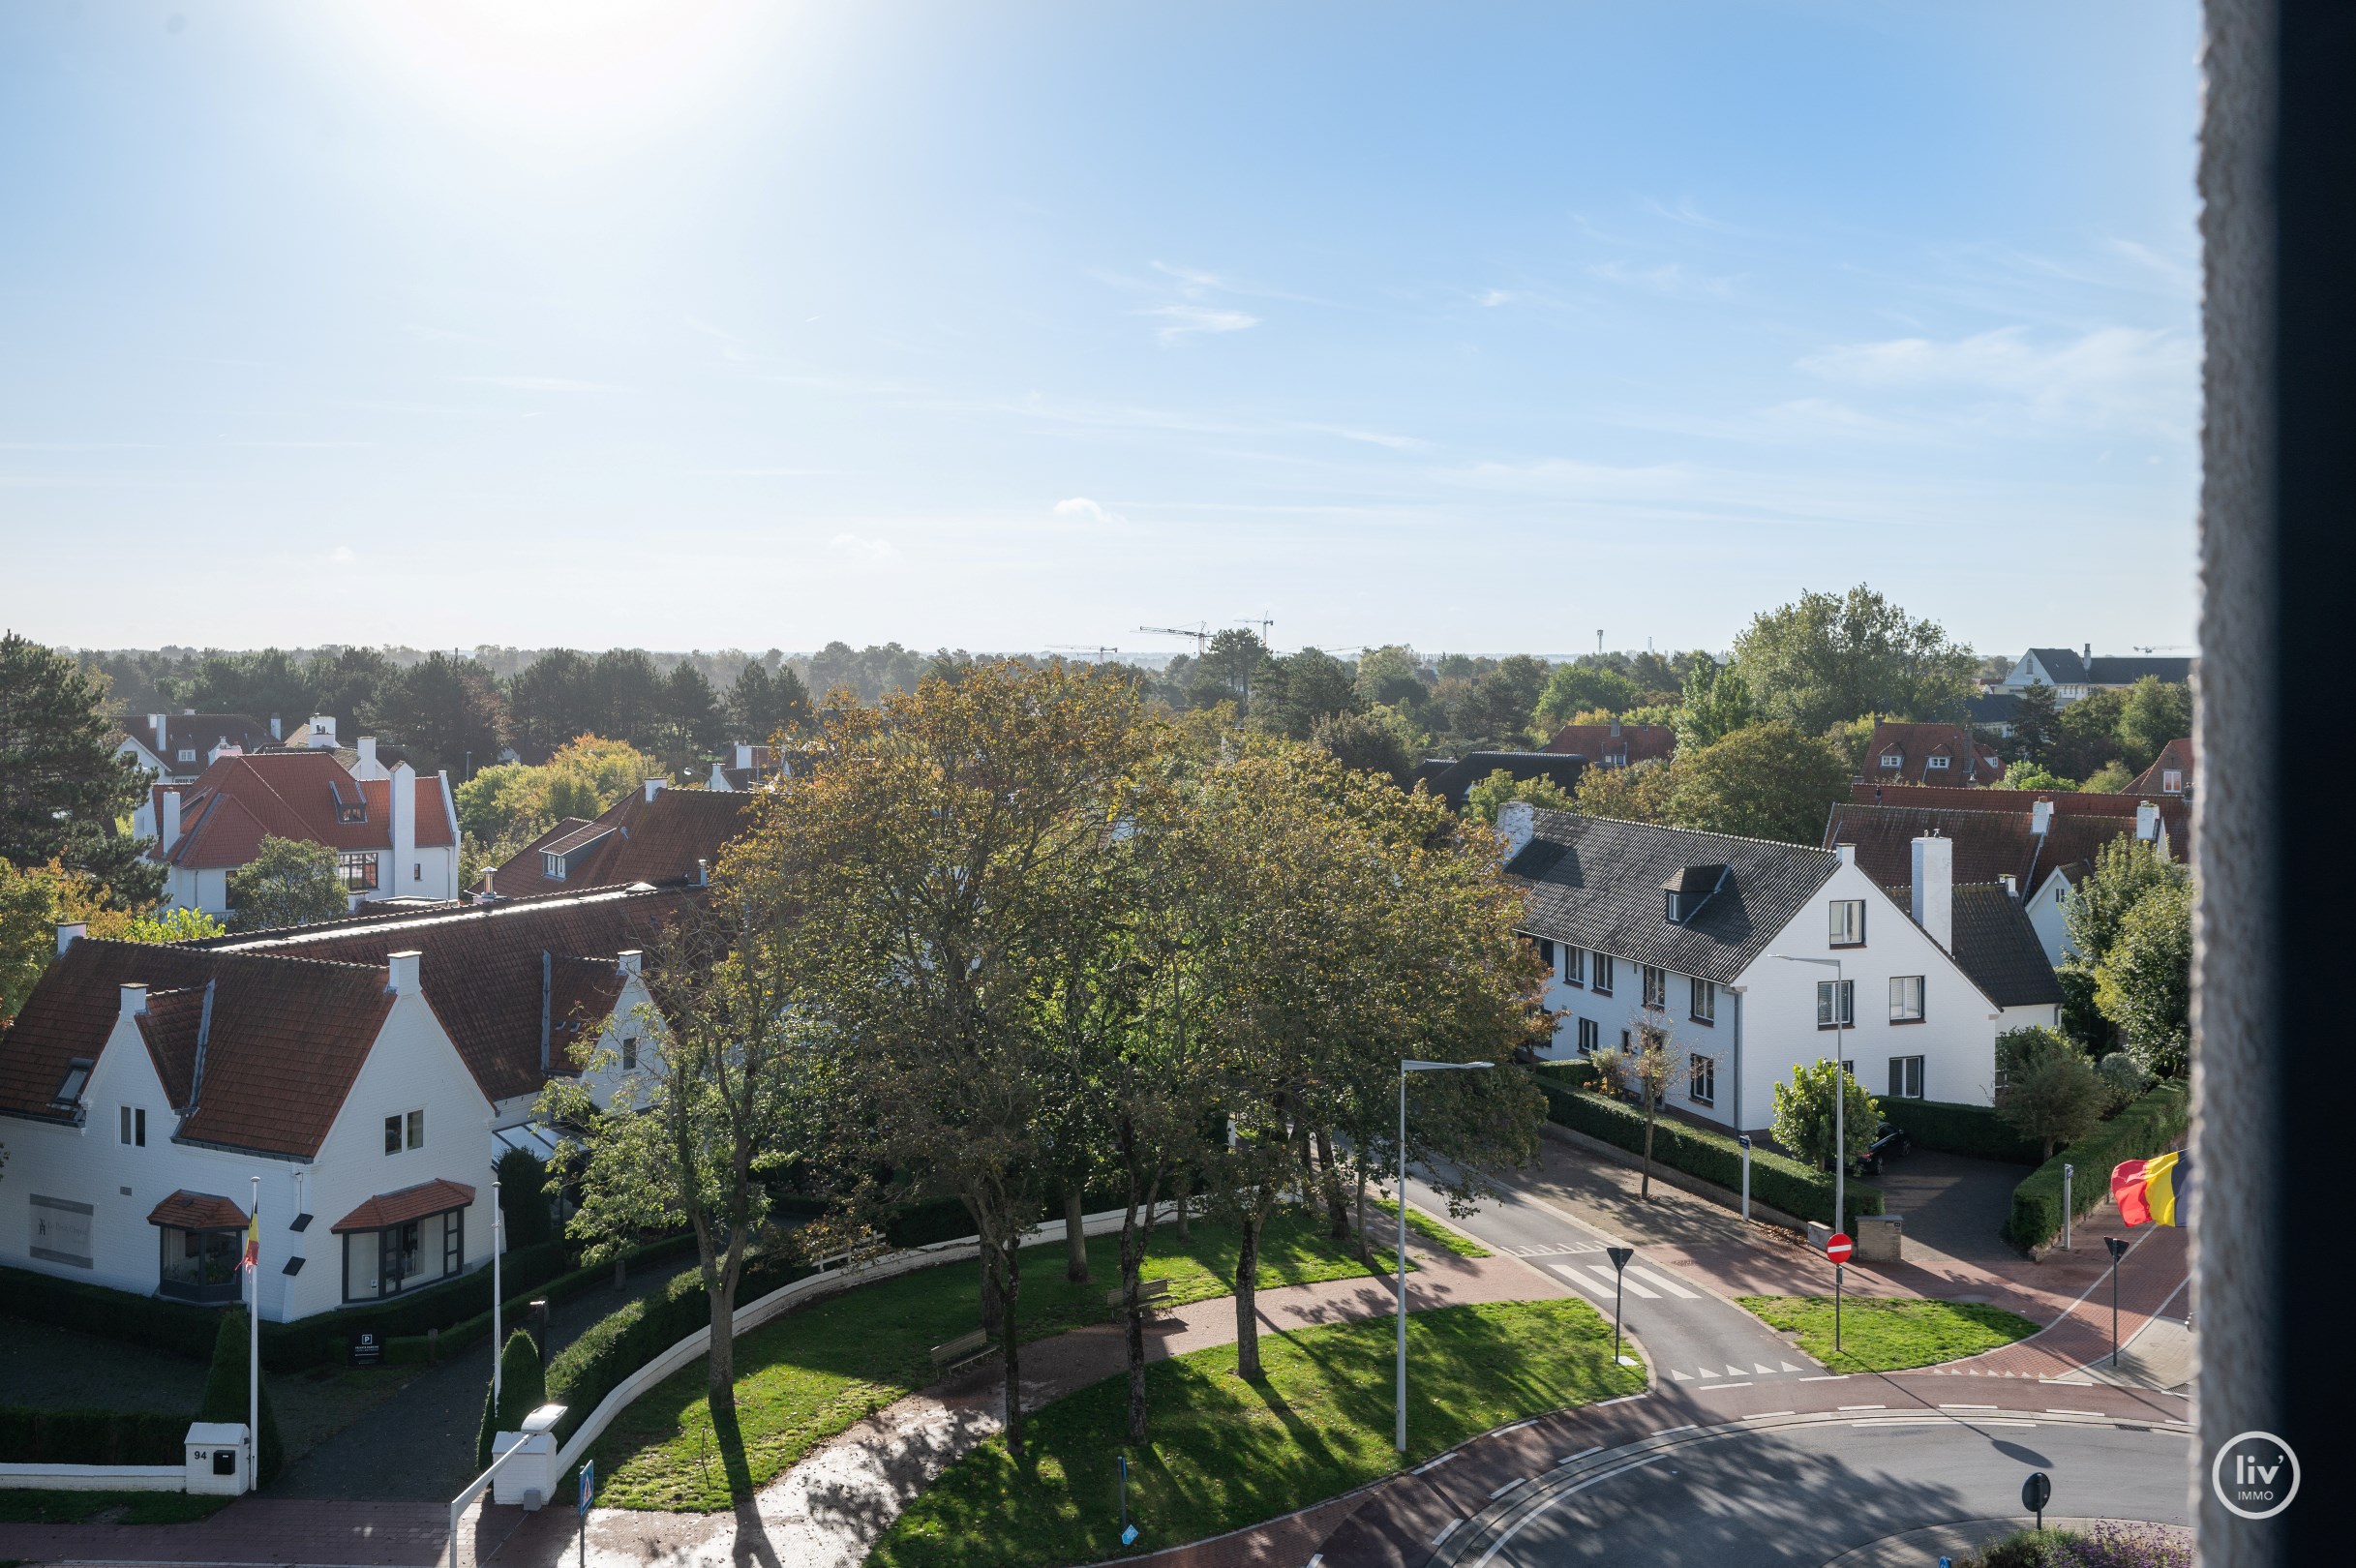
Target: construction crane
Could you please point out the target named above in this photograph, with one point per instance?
(2163, 647)
(1097, 648)
(1199, 631)
(1263, 624)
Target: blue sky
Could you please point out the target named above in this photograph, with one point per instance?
(1008, 327)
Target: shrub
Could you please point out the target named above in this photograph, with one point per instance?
(1956, 1128)
(113, 1314)
(522, 1388)
(414, 1349)
(2050, 1091)
(2124, 1077)
(523, 1200)
(2151, 1125)
(323, 1340)
(227, 1391)
(29, 1436)
(1776, 1181)
(1577, 1073)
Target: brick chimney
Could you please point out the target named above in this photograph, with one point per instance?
(1934, 890)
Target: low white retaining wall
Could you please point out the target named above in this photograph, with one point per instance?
(94, 1477)
(752, 1315)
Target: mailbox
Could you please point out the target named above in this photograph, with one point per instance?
(528, 1478)
(217, 1457)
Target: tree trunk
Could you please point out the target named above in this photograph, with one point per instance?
(1134, 1239)
(1012, 1253)
(1364, 1251)
(1186, 1189)
(1247, 1287)
(993, 1303)
(1076, 1241)
(720, 1277)
(1336, 1204)
(1645, 1189)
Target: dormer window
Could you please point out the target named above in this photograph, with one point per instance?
(1685, 893)
(69, 1092)
(2171, 781)
(552, 867)
(187, 754)
(1891, 759)
(1675, 913)
(1936, 764)
(349, 807)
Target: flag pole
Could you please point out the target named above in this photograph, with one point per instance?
(253, 1348)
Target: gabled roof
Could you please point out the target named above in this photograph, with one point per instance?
(283, 1041)
(1916, 744)
(2177, 756)
(2175, 813)
(1992, 708)
(1452, 778)
(1997, 946)
(238, 801)
(2063, 664)
(198, 733)
(2106, 669)
(185, 1210)
(1597, 884)
(437, 1197)
(633, 840)
(483, 969)
(1988, 844)
(1630, 743)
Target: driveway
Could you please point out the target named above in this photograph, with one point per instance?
(1953, 1205)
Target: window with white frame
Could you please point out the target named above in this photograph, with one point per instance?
(1573, 965)
(1891, 759)
(1701, 1079)
(1835, 1004)
(134, 1129)
(1845, 923)
(1656, 986)
(630, 1052)
(359, 871)
(1705, 1008)
(406, 1131)
(2171, 781)
(1905, 999)
(1906, 1077)
(188, 754)
(1590, 1036)
(1934, 764)
(1603, 974)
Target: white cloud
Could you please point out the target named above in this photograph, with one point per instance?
(1080, 506)
(343, 555)
(1183, 321)
(2108, 376)
(865, 551)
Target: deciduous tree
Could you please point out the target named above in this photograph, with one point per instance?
(2143, 982)
(288, 881)
(1767, 782)
(2050, 1091)
(1827, 657)
(1802, 1115)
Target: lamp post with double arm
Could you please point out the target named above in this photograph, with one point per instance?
(1408, 1064)
(1840, 1083)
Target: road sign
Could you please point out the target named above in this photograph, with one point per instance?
(1839, 1247)
(2035, 1493)
(588, 1483)
(1619, 1256)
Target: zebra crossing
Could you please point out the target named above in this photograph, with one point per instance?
(1596, 1280)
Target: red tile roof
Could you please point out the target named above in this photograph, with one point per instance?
(198, 733)
(283, 1041)
(1988, 844)
(482, 968)
(185, 1210)
(635, 840)
(1597, 743)
(2174, 757)
(1967, 760)
(2175, 814)
(437, 1197)
(227, 810)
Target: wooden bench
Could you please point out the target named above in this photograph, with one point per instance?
(1149, 1291)
(963, 1351)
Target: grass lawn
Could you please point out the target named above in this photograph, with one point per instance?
(813, 1373)
(1424, 1226)
(106, 1507)
(1881, 1334)
(1226, 1453)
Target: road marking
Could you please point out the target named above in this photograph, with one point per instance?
(1545, 1503)
(1788, 1367)
(1666, 1430)
(1765, 1371)
(1443, 1535)
(1572, 1458)
(1666, 1283)
(1767, 1415)
(1864, 1407)
(1434, 1465)
(1969, 1408)
(1746, 1383)
(1901, 1421)
(1519, 1424)
(2057, 1411)
(1706, 1375)
(1634, 1287)
(1678, 1377)
(1577, 1280)
(1508, 1487)
(1828, 1377)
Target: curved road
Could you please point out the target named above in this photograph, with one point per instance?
(1803, 1493)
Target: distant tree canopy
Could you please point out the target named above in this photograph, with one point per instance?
(447, 711)
(513, 802)
(62, 788)
(1574, 688)
(761, 706)
(1298, 690)
(1831, 657)
(1487, 796)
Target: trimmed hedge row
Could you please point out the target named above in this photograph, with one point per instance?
(29, 1436)
(626, 1339)
(1965, 1129)
(2149, 1123)
(115, 1315)
(1776, 1181)
(1574, 1073)
(415, 1350)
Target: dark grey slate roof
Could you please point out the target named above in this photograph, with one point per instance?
(2107, 671)
(1451, 778)
(2063, 664)
(1992, 708)
(1998, 947)
(1597, 884)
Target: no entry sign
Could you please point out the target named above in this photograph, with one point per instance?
(1839, 1247)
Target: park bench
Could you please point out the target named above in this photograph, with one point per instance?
(1149, 1291)
(963, 1351)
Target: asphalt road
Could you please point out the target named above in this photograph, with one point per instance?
(1694, 1339)
(1801, 1495)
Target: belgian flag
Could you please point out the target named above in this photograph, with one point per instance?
(2158, 1190)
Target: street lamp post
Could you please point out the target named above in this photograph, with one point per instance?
(1840, 1086)
(1408, 1064)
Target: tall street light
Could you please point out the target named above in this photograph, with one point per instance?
(1408, 1064)
(1841, 1084)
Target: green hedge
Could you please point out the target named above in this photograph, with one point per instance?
(415, 1350)
(626, 1339)
(1965, 1129)
(114, 1315)
(1574, 1073)
(1776, 1181)
(90, 1437)
(2151, 1123)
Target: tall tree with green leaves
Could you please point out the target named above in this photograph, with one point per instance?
(762, 705)
(63, 790)
(1229, 667)
(2036, 727)
(1717, 702)
(1829, 657)
(288, 881)
(2049, 1091)
(1486, 795)
(2152, 713)
(1571, 689)
(2144, 981)
(1767, 782)
(1300, 689)
(553, 699)
(448, 712)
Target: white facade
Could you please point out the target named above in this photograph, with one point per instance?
(1766, 1022)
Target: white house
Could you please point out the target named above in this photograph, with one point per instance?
(2076, 672)
(363, 1072)
(395, 833)
(1688, 933)
(175, 748)
(751, 767)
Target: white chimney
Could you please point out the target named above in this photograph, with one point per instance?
(135, 1000)
(403, 787)
(275, 732)
(1934, 892)
(703, 872)
(323, 730)
(1847, 853)
(2012, 887)
(2040, 818)
(157, 722)
(631, 959)
(168, 832)
(69, 932)
(1516, 825)
(368, 752)
(2147, 822)
(654, 787)
(744, 755)
(401, 972)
